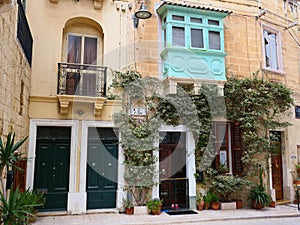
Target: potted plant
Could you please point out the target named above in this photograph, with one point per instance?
(128, 205)
(19, 208)
(225, 186)
(207, 200)
(215, 204)
(259, 197)
(38, 199)
(200, 202)
(154, 206)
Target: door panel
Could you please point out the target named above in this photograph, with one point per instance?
(52, 171)
(173, 188)
(277, 175)
(276, 161)
(102, 166)
(90, 51)
(89, 58)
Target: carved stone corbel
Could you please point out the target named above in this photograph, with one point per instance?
(98, 106)
(64, 103)
(98, 4)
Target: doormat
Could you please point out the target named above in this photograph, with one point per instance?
(180, 212)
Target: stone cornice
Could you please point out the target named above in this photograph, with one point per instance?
(97, 3)
(65, 100)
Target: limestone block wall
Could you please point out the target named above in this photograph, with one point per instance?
(15, 74)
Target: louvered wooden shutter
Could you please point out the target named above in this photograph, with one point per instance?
(20, 176)
(237, 149)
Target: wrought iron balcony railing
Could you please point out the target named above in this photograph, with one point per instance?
(82, 80)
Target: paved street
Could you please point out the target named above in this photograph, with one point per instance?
(283, 214)
(265, 221)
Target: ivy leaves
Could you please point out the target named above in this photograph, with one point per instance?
(258, 105)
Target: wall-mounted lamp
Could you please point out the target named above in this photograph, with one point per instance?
(261, 13)
(142, 14)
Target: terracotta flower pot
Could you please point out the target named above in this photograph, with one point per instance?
(273, 204)
(129, 211)
(239, 204)
(259, 206)
(155, 212)
(200, 206)
(297, 182)
(206, 205)
(215, 205)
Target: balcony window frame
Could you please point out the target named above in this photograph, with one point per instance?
(278, 49)
(83, 36)
(168, 23)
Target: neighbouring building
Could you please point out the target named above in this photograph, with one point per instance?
(15, 72)
(73, 146)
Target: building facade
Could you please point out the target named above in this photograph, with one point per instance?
(73, 152)
(15, 69)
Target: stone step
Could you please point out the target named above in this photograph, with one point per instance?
(283, 202)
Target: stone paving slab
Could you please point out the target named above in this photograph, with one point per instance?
(165, 219)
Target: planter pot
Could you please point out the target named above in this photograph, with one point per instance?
(32, 218)
(200, 206)
(129, 211)
(140, 210)
(239, 204)
(206, 205)
(155, 212)
(228, 205)
(215, 205)
(259, 206)
(273, 204)
(253, 204)
(297, 182)
(298, 171)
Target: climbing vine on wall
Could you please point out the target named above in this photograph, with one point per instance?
(259, 106)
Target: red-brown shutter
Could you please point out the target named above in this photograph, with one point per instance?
(20, 176)
(237, 149)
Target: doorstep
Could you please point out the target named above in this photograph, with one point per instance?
(90, 211)
(283, 202)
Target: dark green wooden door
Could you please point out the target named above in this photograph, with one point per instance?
(52, 166)
(102, 166)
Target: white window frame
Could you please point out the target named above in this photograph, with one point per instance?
(83, 36)
(278, 56)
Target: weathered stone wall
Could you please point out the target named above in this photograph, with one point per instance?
(15, 76)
